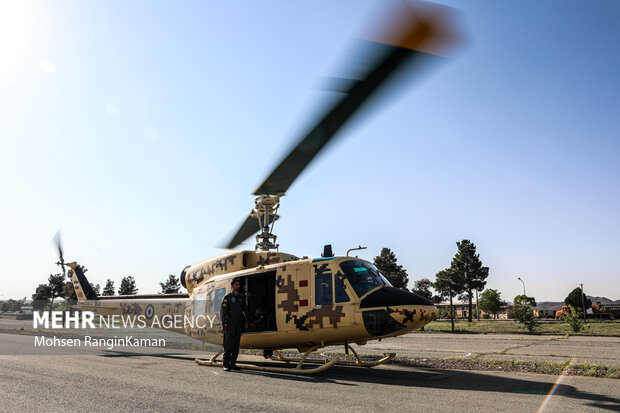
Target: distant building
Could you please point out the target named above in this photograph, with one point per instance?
(461, 310)
(542, 312)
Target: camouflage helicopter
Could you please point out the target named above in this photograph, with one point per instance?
(305, 303)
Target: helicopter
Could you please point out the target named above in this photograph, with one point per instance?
(299, 302)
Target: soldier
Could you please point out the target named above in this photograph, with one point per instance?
(233, 312)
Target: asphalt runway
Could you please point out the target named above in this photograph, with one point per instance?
(169, 380)
(518, 347)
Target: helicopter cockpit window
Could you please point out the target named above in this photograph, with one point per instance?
(385, 280)
(362, 276)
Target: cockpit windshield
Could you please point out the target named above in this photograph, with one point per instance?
(363, 276)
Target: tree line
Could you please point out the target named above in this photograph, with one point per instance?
(463, 278)
(58, 286)
(465, 275)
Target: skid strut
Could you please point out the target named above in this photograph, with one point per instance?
(358, 362)
(296, 370)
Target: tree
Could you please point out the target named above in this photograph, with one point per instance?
(523, 313)
(574, 299)
(69, 292)
(572, 318)
(128, 286)
(423, 287)
(97, 289)
(396, 274)
(491, 302)
(109, 287)
(56, 283)
(449, 283)
(13, 305)
(437, 298)
(171, 285)
(443, 313)
(41, 297)
(467, 263)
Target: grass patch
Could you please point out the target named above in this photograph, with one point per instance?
(595, 370)
(591, 328)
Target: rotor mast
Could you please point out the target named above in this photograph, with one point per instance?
(265, 211)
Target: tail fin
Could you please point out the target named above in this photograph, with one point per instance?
(83, 289)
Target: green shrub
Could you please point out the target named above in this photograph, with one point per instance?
(573, 319)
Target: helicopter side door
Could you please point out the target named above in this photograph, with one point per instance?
(331, 302)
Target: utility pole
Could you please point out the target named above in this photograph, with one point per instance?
(477, 309)
(583, 303)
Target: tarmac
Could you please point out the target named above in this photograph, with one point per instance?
(162, 379)
(518, 347)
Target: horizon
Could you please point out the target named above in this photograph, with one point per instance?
(134, 129)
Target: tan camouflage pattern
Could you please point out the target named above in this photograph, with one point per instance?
(300, 322)
(231, 262)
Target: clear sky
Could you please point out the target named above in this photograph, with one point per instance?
(140, 129)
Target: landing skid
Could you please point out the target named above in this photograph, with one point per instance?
(295, 370)
(298, 369)
(358, 361)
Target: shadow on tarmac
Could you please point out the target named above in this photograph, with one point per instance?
(416, 377)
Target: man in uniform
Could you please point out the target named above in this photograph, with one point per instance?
(233, 313)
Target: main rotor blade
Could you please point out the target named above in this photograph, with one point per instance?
(245, 231)
(57, 240)
(413, 32)
(58, 243)
(248, 228)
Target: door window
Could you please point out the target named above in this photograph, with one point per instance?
(215, 300)
(323, 289)
(199, 303)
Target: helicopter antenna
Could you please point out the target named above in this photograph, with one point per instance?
(355, 249)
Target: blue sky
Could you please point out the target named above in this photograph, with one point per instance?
(141, 128)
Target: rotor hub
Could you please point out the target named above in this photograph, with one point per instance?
(265, 211)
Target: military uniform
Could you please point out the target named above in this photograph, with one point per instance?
(233, 314)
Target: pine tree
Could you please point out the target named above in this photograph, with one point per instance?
(69, 292)
(109, 287)
(449, 283)
(56, 283)
(171, 285)
(396, 274)
(467, 263)
(42, 296)
(128, 286)
(423, 287)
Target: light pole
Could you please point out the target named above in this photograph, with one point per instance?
(583, 303)
(519, 278)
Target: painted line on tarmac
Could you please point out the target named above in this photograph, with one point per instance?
(549, 395)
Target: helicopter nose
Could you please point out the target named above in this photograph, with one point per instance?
(389, 310)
